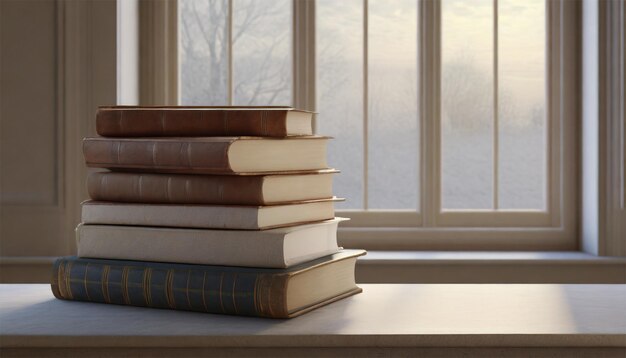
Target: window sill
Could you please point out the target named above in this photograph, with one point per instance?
(489, 267)
(425, 267)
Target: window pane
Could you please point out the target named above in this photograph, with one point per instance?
(393, 118)
(467, 104)
(203, 52)
(340, 92)
(522, 106)
(262, 52)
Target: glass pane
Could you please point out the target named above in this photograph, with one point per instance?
(262, 52)
(521, 104)
(203, 52)
(467, 104)
(393, 118)
(340, 92)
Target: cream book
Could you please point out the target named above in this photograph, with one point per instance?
(276, 248)
(208, 216)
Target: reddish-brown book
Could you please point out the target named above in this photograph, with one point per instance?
(210, 189)
(132, 121)
(207, 155)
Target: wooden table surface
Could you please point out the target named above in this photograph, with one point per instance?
(401, 315)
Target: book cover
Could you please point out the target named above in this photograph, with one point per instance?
(236, 217)
(180, 121)
(207, 155)
(275, 248)
(211, 289)
(210, 189)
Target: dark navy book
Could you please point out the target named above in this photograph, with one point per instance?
(275, 293)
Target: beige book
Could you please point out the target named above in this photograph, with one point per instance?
(276, 248)
(208, 216)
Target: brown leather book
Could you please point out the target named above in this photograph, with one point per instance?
(207, 155)
(133, 121)
(209, 189)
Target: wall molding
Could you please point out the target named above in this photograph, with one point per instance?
(612, 132)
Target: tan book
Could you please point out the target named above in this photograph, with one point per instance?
(246, 291)
(207, 155)
(179, 121)
(276, 248)
(208, 216)
(210, 189)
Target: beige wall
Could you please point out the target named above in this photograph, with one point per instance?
(57, 63)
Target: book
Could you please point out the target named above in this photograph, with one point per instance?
(207, 216)
(275, 293)
(134, 121)
(275, 248)
(210, 189)
(207, 155)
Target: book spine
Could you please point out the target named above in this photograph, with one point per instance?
(146, 285)
(188, 246)
(190, 122)
(176, 189)
(158, 156)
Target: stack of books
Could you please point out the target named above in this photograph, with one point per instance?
(222, 210)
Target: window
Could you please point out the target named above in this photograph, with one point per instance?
(453, 119)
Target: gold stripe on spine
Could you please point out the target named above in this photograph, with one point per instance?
(150, 287)
(60, 279)
(257, 309)
(269, 297)
(169, 293)
(203, 299)
(125, 285)
(147, 273)
(235, 301)
(85, 282)
(67, 277)
(105, 283)
(221, 303)
(276, 300)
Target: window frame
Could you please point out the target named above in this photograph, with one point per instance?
(434, 229)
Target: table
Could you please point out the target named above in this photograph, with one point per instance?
(402, 319)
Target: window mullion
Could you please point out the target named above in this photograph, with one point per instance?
(496, 114)
(429, 107)
(231, 94)
(365, 105)
(303, 65)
